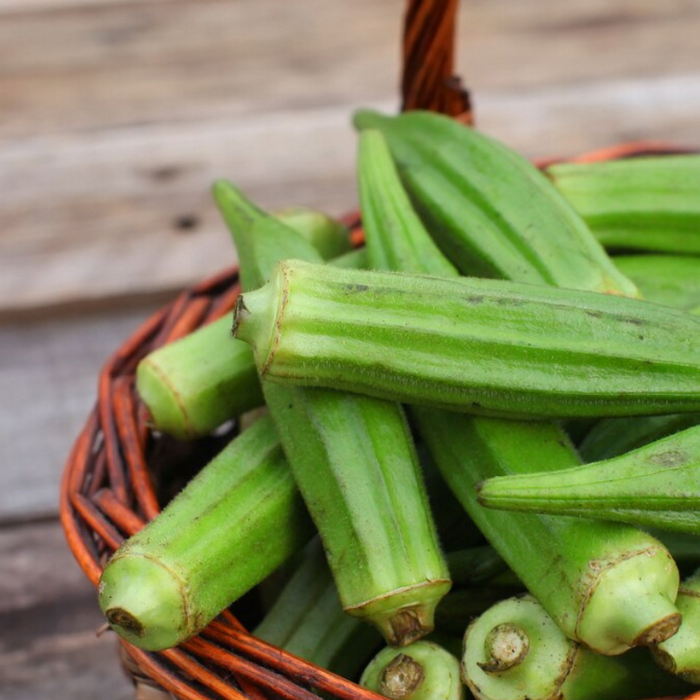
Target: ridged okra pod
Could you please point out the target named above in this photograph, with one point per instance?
(657, 485)
(638, 203)
(231, 526)
(460, 182)
(515, 651)
(420, 671)
(680, 654)
(194, 385)
(612, 437)
(671, 280)
(307, 620)
(483, 346)
(608, 585)
(355, 464)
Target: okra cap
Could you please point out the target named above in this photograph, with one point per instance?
(144, 602)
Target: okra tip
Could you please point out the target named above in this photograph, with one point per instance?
(368, 119)
(144, 602)
(405, 615)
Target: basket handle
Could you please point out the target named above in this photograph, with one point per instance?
(428, 81)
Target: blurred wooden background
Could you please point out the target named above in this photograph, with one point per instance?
(115, 118)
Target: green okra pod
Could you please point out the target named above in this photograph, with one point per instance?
(657, 485)
(638, 203)
(459, 180)
(194, 385)
(481, 346)
(231, 526)
(308, 620)
(671, 280)
(606, 584)
(612, 437)
(680, 654)
(515, 651)
(355, 464)
(420, 671)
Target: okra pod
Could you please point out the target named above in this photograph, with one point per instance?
(671, 280)
(515, 651)
(355, 464)
(608, 585)
(421, 671)
(657, 485)
(331, 238)
(612, 437)
(231, 526)
(194, 385)
(681, 653)
(460, 182)
(483, 346)
(307, 620)
(638, 203)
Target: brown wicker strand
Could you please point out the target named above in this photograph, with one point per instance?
(428, 81)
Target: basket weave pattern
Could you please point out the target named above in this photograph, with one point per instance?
(110, 489)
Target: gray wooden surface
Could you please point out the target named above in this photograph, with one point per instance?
(116, 116)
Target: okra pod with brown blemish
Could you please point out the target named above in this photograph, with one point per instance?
(657, 485)
(588, 574)
(355, 464)
(481, 346)
(515, 651)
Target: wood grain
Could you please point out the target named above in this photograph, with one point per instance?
(48, 383)
(122, 114)
(48, 623)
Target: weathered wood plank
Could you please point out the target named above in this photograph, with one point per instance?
(111, 198)
(48, 383)
(129, 212)
(48, 618)
(112, 64)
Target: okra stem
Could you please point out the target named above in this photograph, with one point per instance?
(421, 671)
(515, 651)
(681, 653)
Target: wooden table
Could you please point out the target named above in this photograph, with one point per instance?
(115, 118)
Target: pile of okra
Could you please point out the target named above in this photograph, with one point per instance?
(467, 455)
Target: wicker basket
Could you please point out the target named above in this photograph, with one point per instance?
(113, 481)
